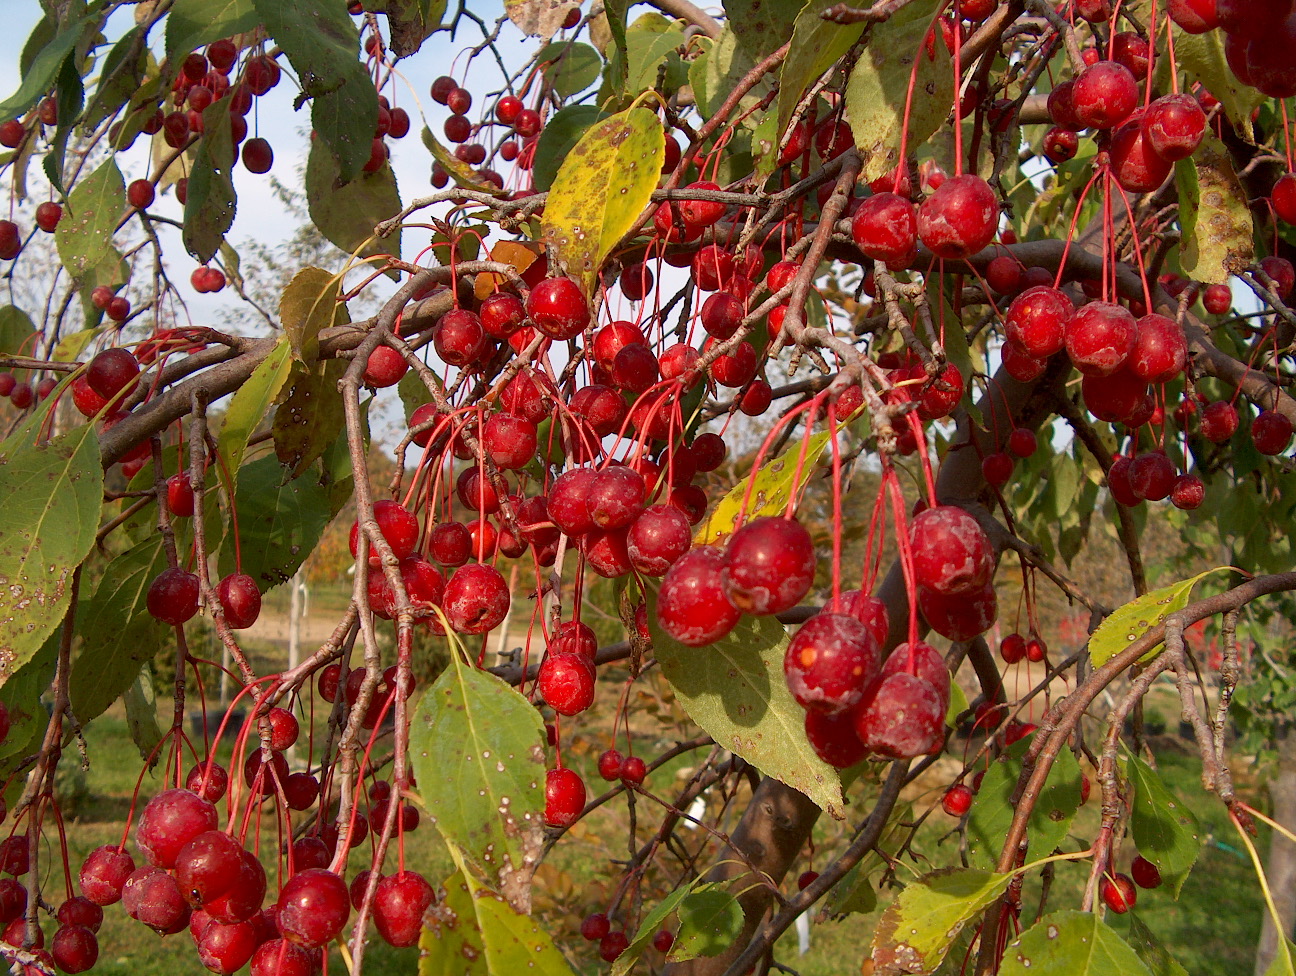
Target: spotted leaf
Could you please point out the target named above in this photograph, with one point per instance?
(601, 188)
(1074, 944)
(477, 747)
(918, 929)
(1128, 623)
(51, 494)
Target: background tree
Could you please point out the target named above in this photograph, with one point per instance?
(780, 399)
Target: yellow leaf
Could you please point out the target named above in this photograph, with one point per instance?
(603, 185)
(775, 483)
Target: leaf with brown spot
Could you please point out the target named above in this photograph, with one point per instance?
(603, 185)
(919, 927)
(52, 494)
(312, 416)
(878, 87)
(1218, 235)
(476, 745)
(474, 931)
(1074, 943)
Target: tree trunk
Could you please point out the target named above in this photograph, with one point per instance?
(1281, 865)
(771, 834)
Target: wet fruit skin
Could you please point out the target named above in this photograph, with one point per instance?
(399, 903)
(313, 907)
(957, 800)
(169, 821)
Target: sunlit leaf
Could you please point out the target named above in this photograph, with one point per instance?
(1074, 944)
(735, 690)
(601, 188)
(918, 929)
(774, 485)
(1128, 623)
(51, 494)
(492, 806)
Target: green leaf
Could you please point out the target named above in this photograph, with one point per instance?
(323, 46)
(411, 23)
(1217, 228)
(775, 483)
(280, 521)
(1201, 58)
(559, 137)
(210, 204)
(38, 78)
(413, 394)
(94, 208)
(21, 696)
(475, 932)
(16, 332)
(71, 347)
(51, 494)
(651, 924)
(1071, 943)
(710, 920)
(816, 46)
(69, 99)
(918, 929)
(117, 632)
(346, 213)
(992, 810)
(646, 52)
(616, 10)
(196, 23)
(735, 690)
(570, 67)
(1128, 623)
(309, 305)
(492, 807)
(717, 70)
(601, 188)
(141, 715)
(878, 87)
(1151, 950)
(312, 416)
(1282, 960)
(1165, 830)
(122, 76)
(250, 405)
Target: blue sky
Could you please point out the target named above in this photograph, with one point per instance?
(260, 216)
